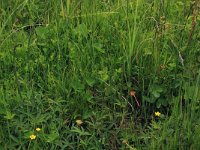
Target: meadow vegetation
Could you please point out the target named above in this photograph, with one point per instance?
(99, 74)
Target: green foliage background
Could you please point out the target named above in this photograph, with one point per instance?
(63, 60)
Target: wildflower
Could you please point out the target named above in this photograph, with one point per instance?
(65, 121)
(163, 18)
(162, 67)
(38, 129)
(132, 93)
(157, 114)
(79, 122)
(125, 141)
(32, 137)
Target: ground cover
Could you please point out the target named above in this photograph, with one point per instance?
(109, 74)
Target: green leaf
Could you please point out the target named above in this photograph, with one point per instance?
(156, 90)
(9, 115)
(104, 74)
(77, 85)
(156, 94)
(162, 102)
(82, 30)
(147, 99)
(98, 47)
(147, 52)
(88, 96)
(2, 54)
(190, 92)
(198, 57)
(155, 125)
(158, 104)
(14, 138)
(2, 109)
(51, 137)
(27, 134)
(80, 132)
(90, 81)
(172, 65)
(42, 32)
(40, 118)
(105, 77)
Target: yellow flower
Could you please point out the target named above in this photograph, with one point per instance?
(38, 129)
(32, 137)
(79, 122)
(157, 114)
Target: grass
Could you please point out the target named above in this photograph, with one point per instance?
(92, 75)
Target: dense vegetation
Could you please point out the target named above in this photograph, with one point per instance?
(99, 74)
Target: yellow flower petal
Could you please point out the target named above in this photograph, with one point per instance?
(79, 122)
(32, 137)
(157, 114)
(38, 129)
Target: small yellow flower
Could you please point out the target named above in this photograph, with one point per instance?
(79, 122)
(38, 129)
(32, 137)
(157, 114)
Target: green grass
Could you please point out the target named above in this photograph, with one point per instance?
(64, 60)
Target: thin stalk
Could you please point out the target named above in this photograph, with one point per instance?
(132, 32)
